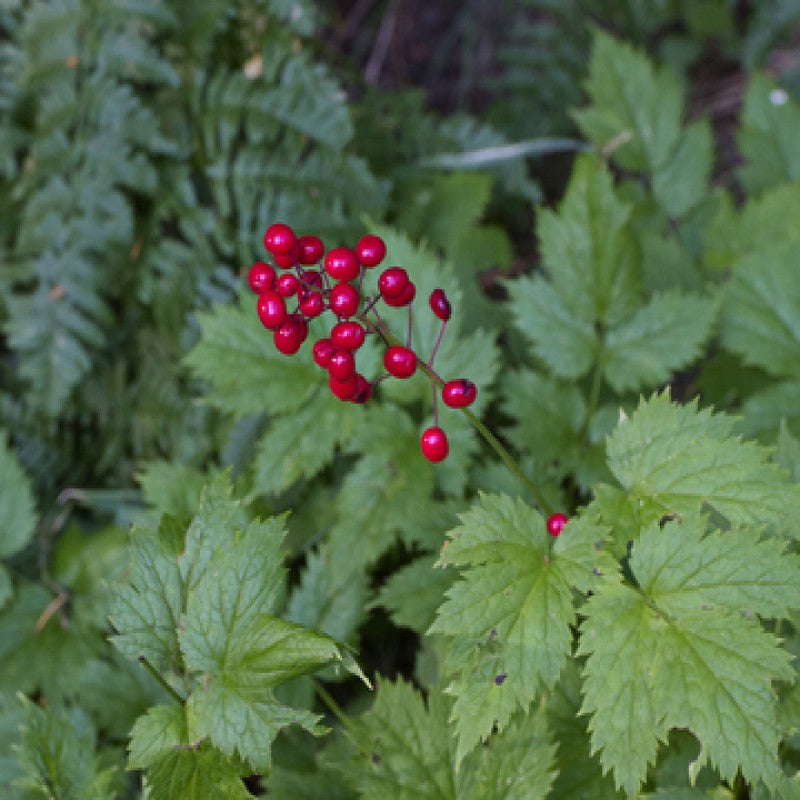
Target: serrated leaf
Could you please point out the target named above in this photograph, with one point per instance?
(171, 489)
(664, 335)
(676, 459)
(17, 514)
(196, 773)
(156, 734)
(787, 453)
(510, 614)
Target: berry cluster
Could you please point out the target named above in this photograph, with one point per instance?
(314, 281)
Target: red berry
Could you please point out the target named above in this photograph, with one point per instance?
(440, 305)
(311, 249)
(392, 282)
(261, 277)
(341, 264)
(311, 278)
(364, 390)
(312, 304)
(460, 393)
(279, 239)
(271, 309)
(290, 335)
(434, 444)
(556, 523)
(408, 295)
(400, 361)
(286, 260)
(348, 335)
(370, 250)
(342, 365)
(344, 300)
(344, 390)
(322, 351)
(287, 285)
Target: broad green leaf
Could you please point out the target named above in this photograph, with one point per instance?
(787, 453)
(156, 734)
(509, 616)
(17, 515)
(664, 335)
(195, 771)
(763, 411)
(171, 488)
(667, 264)
(674, 458)
(760, 317)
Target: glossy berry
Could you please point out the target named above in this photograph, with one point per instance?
(364, 390)
(370, 250)
(342, 365)
(287, 260)
(311, 249)
(312, 304)
(322, 351)
(400, 361)
(434, 444)
(556, 523)
(261, 277)
(392, 282)
(344, 300)
(440, 305)
(344, 390)
(287, 285)
(341, 264)
(459, 393)
(347, 335)
(279, 239)
(271, 309)
(290, 335)
(407, 296)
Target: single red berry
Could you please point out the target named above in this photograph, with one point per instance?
(261, 277)
(341, 264)
(459, 393)
(344, 300)
(434, 444)
(440, 305)
(408, 295)
(279, 239)
(312, 304)
(342, 365)
(400, 361)
(348, 335)
(311, 278)
(271, 309)
(344, 390)
(556, 523)
(311, 249)
(364, 390)
(290, 335)
(392, 282)
(322, 351)
(287, 285)
(286, 260)
(370, 250)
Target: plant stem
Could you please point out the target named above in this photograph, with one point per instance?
(164, 685)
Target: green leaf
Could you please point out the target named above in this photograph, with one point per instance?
(17, 514)
(171, 489)
(196, 773)
(659, 660)
(664, 335)
(760, 316)
(676, 459)
(156, 734)
(787, 453)
(510, 615)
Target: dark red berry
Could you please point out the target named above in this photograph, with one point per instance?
(271, 309)
(440, 305)
(434, 444)
(311, 249)
(392, 282)
(408, 295)
(290, 335)
(322, 351)
(279, 239)
(311, 278)
(400, 361)
(286, 260)
(364, 390)
(261, 277)
(312, 304)
(342, 365)
(556, 523)
(460, 393)
(287, 285)
(370, 250)
(344, 300)
(344, 390)
(348, 335)
(341, 264)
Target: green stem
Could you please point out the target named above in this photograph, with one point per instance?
(164, 685)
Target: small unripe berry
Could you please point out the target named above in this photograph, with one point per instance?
(311, 249)
(556, 523)
(400, 361)
(344, 300)
(279, 239)
(341, 264)
(271, 309)
(348, 335)
(261, 277)
(370, 250)
(392, 282)
(322, 351)
(459, 393)
(440, 305)
(434, 444)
